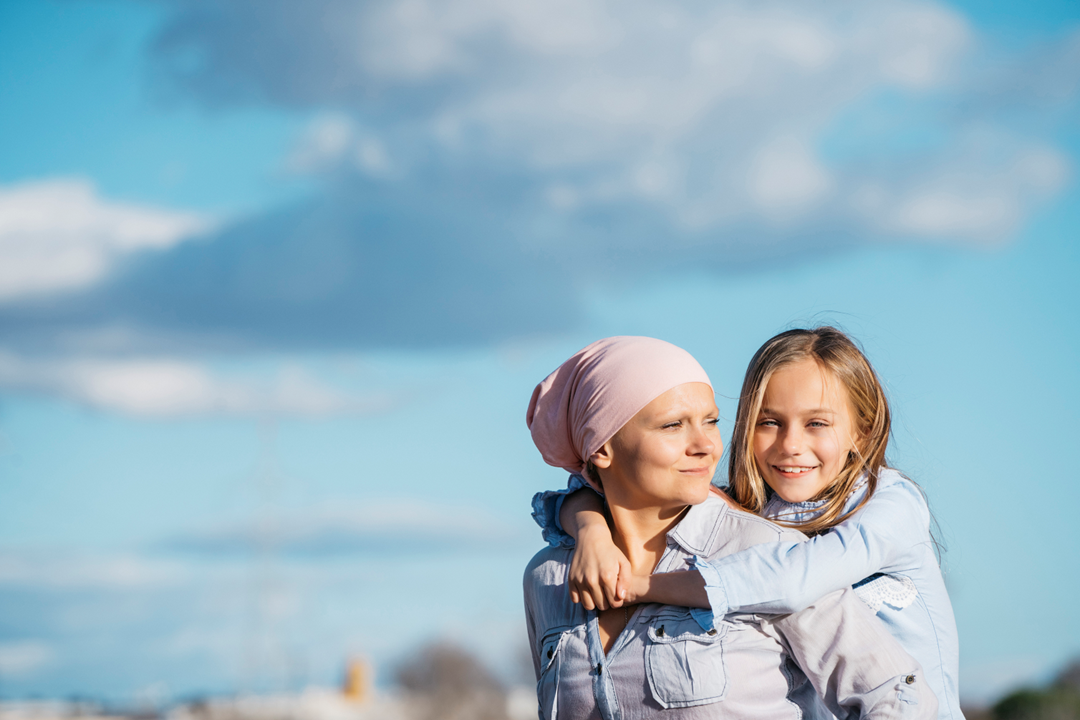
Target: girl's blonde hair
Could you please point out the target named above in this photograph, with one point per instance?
(836, 352)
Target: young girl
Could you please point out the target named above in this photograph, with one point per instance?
(808, 452)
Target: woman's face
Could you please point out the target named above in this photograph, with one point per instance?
(667, 454)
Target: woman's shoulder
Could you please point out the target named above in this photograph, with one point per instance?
(549, 566)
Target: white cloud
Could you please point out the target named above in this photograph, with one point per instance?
(333, 139)
(673, 105)
(80, 570)
(173, 388)
(974, 199)
(786, 177)
(24, 657)
(58, 235)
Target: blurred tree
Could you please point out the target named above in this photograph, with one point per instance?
(1059, 701)
(447, 683)
(1070, 676)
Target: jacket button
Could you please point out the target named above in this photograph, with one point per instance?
(660, 631)
(551, 651)
(910, 679)
(599, 668)
(712, 632)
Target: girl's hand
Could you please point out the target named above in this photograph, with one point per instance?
(679, 587)
(599, 572)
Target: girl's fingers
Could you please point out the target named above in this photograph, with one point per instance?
(610, 591)
(595, 600)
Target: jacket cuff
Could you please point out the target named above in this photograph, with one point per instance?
(714, 590)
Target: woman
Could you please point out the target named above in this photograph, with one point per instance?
(636, 417)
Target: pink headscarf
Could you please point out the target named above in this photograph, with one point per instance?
(581, 405)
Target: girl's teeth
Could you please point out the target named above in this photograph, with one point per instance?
(794, 469)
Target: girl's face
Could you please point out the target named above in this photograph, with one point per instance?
(804, 431)
(667, 454)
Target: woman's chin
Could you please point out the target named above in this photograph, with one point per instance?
(695, 494)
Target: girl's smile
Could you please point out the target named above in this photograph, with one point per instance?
(804, 432)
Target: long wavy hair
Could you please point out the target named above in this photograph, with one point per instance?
(839, 355)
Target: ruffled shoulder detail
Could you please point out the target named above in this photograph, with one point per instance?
(896, 591)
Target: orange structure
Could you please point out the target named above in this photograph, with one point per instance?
(356, 687)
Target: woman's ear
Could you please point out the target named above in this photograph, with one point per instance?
(602, 457)
(599, 459)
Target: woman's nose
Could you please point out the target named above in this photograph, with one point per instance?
(702, 442)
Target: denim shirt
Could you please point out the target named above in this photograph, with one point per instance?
(885, 551)
(832, 656)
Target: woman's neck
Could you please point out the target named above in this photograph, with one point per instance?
(642, 534)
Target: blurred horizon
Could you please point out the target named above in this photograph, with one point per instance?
(277, 281)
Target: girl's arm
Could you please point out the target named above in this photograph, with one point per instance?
(599, 571)
(600, 575)
(789, 576)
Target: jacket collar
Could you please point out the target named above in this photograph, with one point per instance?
(697, 531)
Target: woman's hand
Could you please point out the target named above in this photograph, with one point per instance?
(599, 572)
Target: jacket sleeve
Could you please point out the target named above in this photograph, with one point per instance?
(546, 506)
(854, 664)
(787, 576)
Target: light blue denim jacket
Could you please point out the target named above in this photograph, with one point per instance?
(885, 551)
(742, 667)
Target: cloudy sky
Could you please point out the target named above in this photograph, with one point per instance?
(277, 279)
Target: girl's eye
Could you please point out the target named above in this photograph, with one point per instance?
(817, 424)
(768, 423)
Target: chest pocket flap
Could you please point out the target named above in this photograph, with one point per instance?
(684, 663)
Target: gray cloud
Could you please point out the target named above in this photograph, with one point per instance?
(373, 269)
(711, 115)
(479, 162)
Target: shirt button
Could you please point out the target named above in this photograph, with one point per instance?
(660, 631)
(551, 652)
(910, 679)
(712, 632)
(599, 668)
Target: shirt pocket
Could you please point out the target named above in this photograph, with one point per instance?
(547, 689)
(683, 662)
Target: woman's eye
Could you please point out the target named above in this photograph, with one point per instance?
(768, 423)
(817, 424)
(712, 421)
(675, 424)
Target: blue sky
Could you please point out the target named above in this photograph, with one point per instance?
(276, 282)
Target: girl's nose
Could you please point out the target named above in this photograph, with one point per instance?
(791, 441)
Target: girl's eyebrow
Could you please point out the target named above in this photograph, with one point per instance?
(814, 411)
